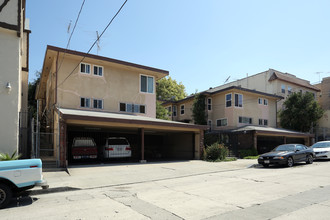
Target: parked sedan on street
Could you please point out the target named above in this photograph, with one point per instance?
(287, 154)
(322, 149)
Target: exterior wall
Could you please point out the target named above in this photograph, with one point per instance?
(250, 109)
(187, 116)
(10, 100)
(115, 86)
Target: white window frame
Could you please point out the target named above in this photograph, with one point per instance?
(85, 98)
(238, 95)
(135, 108)
(147, 84)
(86, 64)
(290, 90)
(222, 124)
(98, 70)
(261, 121)
(98, 107)
(209, 104)
(265, 122)
(231, 100)
(266, 102)
(182, 109)
(283, 87)
(244, 117)
(260, 101)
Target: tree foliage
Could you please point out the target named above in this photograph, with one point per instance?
(161, 112)
(301, 112)
(198, 109)
(168, 89)
(32, 102)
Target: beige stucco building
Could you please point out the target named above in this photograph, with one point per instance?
(323, 127)
(14, 53)
(88, 95)
(276, 83)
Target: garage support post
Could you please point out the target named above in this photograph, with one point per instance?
(142, 146)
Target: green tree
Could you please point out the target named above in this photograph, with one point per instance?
(32, 103)
(168, 89)
(301, 112)
(198, 109)
(161, 112)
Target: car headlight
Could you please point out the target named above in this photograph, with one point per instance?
(261, 158)
(281, 158)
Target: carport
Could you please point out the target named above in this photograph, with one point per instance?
(150, 138)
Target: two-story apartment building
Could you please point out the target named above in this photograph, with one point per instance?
(85, 95)
(14, 68)
(275, 82)
(244, 118)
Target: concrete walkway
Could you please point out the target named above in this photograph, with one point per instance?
(105, 175)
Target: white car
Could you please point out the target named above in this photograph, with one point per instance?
(117, 147)
(322, 149)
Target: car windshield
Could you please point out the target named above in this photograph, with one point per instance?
(321, 145)
(119, 141)
(83, 143)
(284, 148)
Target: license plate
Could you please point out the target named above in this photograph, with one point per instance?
(266, 161)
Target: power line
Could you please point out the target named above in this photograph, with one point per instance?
(94, 43)
(74, 27)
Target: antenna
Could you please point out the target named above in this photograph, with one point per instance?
(98, 42)
(319, 73)
(69, 27)
(226, 80)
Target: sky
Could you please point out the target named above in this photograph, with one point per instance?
(201, 43)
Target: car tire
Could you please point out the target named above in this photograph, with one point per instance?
(265, 165)
(290, 162)
(309, 159)
(5, 195)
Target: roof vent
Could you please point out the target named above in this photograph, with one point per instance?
(210, 88)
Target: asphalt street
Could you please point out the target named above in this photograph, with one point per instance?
(179, 190)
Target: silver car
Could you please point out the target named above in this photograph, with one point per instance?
(322, 149)
(117, 147)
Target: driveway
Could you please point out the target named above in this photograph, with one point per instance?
(181, 190)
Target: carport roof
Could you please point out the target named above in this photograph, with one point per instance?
(269, 131)
(74, 114)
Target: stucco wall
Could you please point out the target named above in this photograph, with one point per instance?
(9, 72)
(115, 86)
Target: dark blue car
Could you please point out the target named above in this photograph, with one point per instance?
(287, 154)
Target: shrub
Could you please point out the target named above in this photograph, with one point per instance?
(216, 151)
(6, 156)
(248, 152)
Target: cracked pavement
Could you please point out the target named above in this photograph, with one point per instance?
(180, 190)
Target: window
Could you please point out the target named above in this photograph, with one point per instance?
(147, 84)
(283, 89)
(265, 122)
(244, 120)
(169, 109)
(98, 103)
(228, 100)
(265, 101)
(260, 101)
(182, 110)
(238, 100)
(98, 70)
(132, 108)
(85, 68)
(209, 123)
(85, 102)
(209, 104)
(222, 122)
(174, 110)
(289, 90)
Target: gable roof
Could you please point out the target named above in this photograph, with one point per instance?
(292, 79)
(213, 91)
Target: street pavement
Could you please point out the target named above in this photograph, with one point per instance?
(179, 190)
